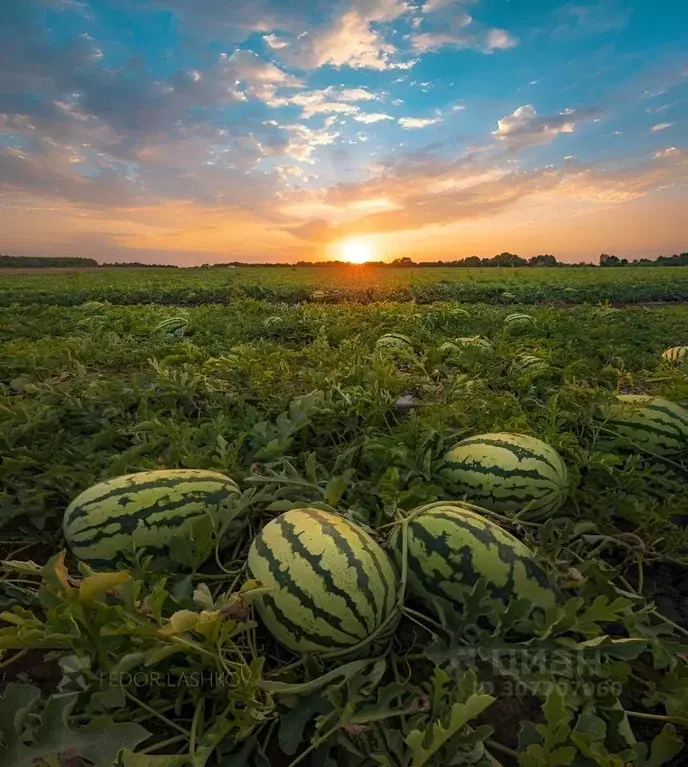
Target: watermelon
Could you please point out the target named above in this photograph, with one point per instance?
(138, 515)
(470, 342)
(505, 473)
(518, 320)
(394, 342)
(651, 423)
(529, 366)
(331, 586)
(675, 355)
(450, 547)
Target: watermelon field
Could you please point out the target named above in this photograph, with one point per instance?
(344, 516)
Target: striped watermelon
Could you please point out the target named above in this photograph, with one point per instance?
(518, 320)
(470, 342)
(450, 547)
(394, 342)
(529, 366)
(651, 423)
(675, 355)
(331, 585)
(137, 515)
(506, 472)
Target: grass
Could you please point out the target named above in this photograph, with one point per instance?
(292, 400)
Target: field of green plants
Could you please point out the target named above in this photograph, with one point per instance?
(363, 284)
(275, 378)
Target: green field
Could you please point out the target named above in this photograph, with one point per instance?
(272, 376)
(354, 283)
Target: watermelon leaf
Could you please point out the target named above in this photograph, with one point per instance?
(99, 741)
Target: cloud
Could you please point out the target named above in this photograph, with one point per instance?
(444, 26)
(661, 126)
(671, 151)
(330, 100)
(303, 141)
(274, 42)
(415, 123)
(349, 37)
(372, 117)
(591, 18)
(431, 194)
(525, 128)
(499, 40)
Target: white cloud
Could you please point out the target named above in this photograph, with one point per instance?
(661, 126)
(525, 128)
(329, 100)
(372, 117)
(303, 141)
(435, 5)
(275, 42)
(415, 123)
(246, 74)
(349, 39)
(499, 40)
(671, 151)
(486, 41)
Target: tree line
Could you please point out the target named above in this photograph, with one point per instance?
(472, 262)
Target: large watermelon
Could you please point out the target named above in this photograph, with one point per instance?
(109, 522)
(394, 342)
(450, 547)
(506, 472)
(651, 423)
(331, 585)
(675, 355)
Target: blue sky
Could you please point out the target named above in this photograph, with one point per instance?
(188, 131)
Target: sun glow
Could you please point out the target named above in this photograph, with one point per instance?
(356, 251)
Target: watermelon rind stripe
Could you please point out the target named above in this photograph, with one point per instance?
(384, 579)
(280, 572)
(129, 522)
(82, 509)
(353, 561)
(314, 560)
(299, 632)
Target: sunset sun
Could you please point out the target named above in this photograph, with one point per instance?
(356, 251)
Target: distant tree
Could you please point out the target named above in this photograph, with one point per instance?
(543, 260)
(471, 261)
(508, 259)
(607, 260)
(43, 262)
(406, 261)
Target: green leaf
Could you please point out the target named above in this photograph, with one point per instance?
(663, 749)
(460, 714)
(129, 759)
(292, 724)
(99, 741)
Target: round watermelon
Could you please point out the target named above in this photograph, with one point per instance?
(506, 473)
(651, 423)
(331, 586)
(394, 342)
(136, 516)
(675, 355)
(450, 547)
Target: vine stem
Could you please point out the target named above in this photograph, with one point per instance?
(195, 723)
(162, 744)
(658, 718)
(15, 657)
(499, 747)
(424, 618)
(669, 622)
(155, 713)
(315, 744)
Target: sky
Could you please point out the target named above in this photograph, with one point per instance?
(202, 131)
